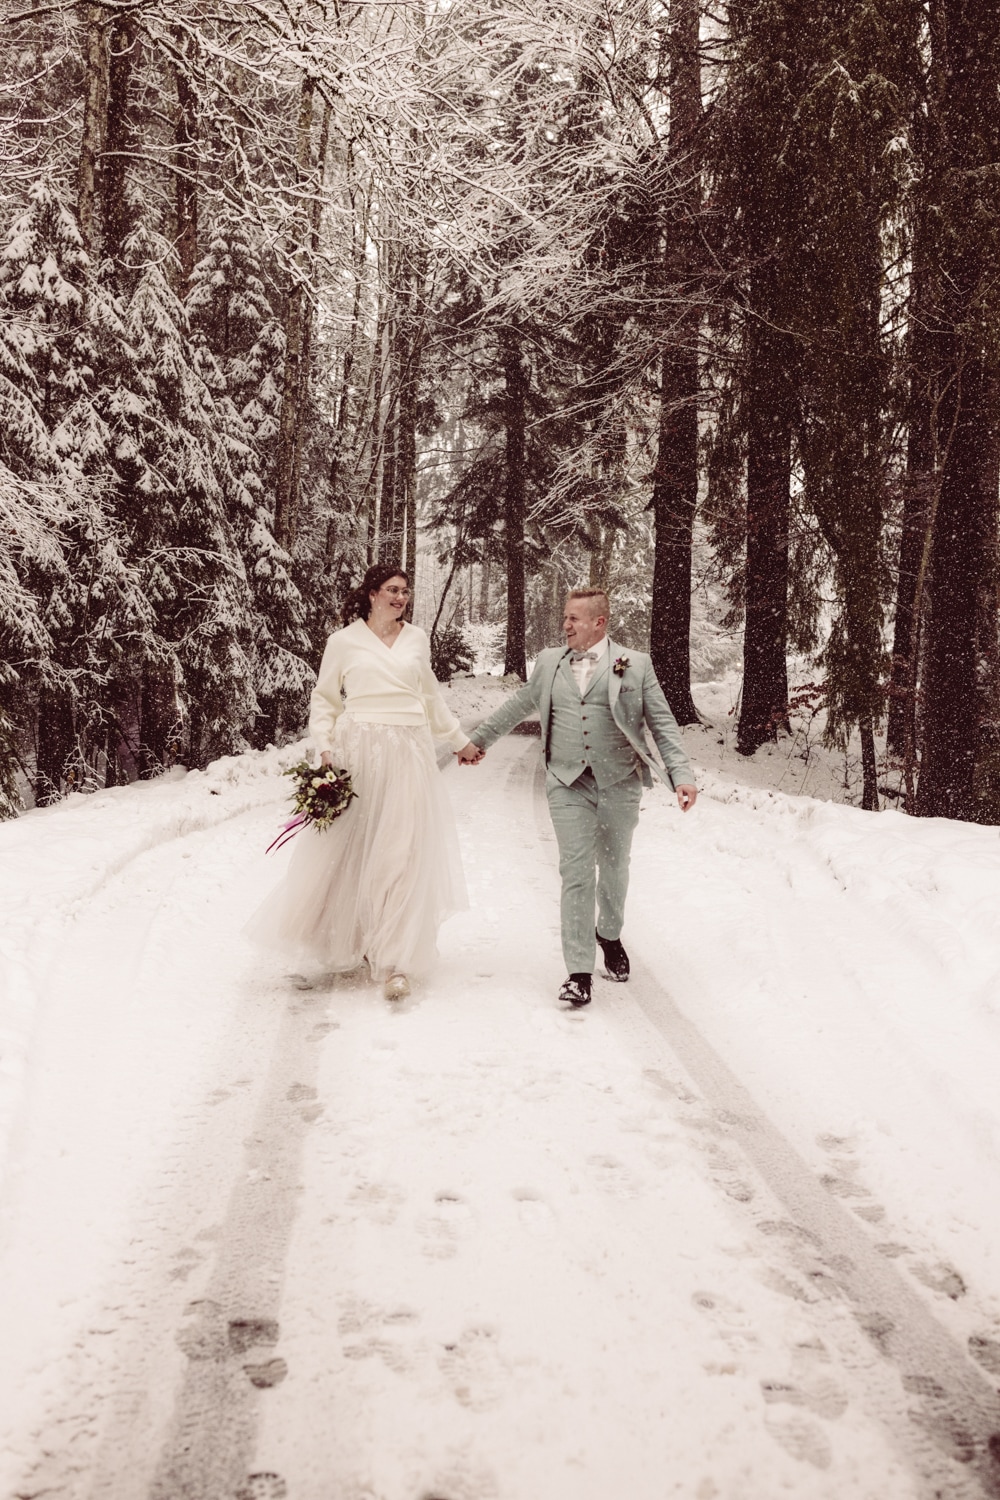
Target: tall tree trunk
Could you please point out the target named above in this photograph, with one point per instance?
(306, 339)
(919, 482)
(675, 494)
(408, 456)
(376, 468)
(515, 425)
(117, 212)
(962, 548)
(159, 720)
(286, 470)
(675, 483)
(359, 235)
(95, 116)
(484, 589)
(186, 165)
(764, 699)
(921, 464)
(54, 742)
(967, 39)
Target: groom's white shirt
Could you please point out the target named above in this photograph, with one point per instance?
(584, 670)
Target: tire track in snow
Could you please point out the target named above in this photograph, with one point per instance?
(107, 1437)
(955, 1437)
(230, 1333)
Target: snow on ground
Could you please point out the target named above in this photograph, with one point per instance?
(731, 1233)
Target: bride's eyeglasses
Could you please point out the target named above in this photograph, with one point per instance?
(397, 593)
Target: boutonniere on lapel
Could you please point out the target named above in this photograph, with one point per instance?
(621, 666)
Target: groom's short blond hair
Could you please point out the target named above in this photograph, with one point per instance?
(602, 605)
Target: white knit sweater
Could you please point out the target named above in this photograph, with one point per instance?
(381, 684)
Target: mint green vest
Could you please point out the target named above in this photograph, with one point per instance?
(582, 733)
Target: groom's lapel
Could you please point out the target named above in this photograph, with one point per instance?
(614, 681)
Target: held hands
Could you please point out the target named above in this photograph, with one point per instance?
(687, 796)
(470, 754)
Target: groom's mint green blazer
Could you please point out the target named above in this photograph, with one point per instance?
(616, 742)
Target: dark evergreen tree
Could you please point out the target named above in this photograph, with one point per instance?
(238, 344)
(675, 478)
(964, 192)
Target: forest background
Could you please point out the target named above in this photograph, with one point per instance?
(526, 295)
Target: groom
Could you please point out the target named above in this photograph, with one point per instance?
(593, 700)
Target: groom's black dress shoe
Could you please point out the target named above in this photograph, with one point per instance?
(576, 990)
(615, 958)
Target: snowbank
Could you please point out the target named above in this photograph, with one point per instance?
(54, 859)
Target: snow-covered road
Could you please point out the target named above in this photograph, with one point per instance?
(732, 1232)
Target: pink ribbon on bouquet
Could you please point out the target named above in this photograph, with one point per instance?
(289, 831)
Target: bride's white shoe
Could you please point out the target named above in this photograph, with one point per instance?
(397, 987)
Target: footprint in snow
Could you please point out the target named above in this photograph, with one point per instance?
(839, 1181)
(300, 1093)
(185, 1262)
(732, 1323)
(940, 1277)
(820, 1394)
(672, 1087)
(460, 1482)
(359, 1316)
(380, 1202)
(533, 1212)
(392, 1355)
(803, 1438)
(441, 1229)
(612, 1176)
(250, 1333)
(268, 1373)
(204, 1336)
(947, 1429)
(879, 1329)
(262, 1486)
(474, 1370)
(377, 1331)
(736, 1188)
(830, 1142)
(985, 1351)
(323, 1028)
(785, 1229)
(778, 1281)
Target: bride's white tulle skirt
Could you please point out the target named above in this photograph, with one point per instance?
(377, 884)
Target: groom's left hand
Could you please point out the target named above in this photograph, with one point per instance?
(470, 754)
(687, 796)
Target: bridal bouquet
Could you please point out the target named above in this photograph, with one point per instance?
(320, 796)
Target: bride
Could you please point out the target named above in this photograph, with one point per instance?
(379, 882)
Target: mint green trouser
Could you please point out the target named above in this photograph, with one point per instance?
(594, 831)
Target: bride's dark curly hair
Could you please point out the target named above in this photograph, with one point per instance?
(357, 605)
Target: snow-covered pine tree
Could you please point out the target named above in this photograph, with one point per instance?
(173, 493)
(88, 597)
(238, 346)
